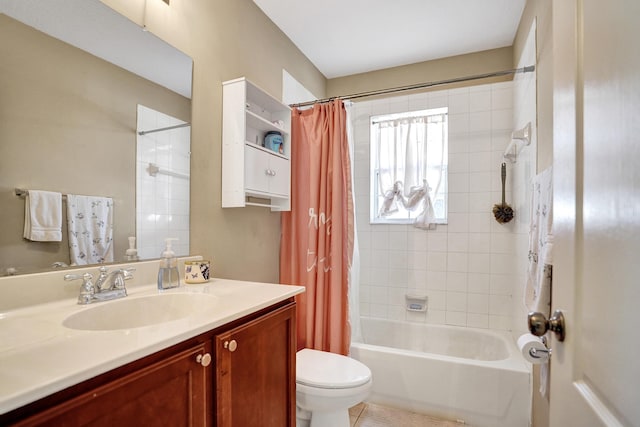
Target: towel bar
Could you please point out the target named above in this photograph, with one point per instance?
(23, 193)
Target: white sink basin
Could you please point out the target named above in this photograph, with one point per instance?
(132, 312)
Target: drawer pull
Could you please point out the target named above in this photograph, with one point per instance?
(231, 345)
(204, 359)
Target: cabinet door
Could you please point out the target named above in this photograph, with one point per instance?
(168, 393)
(255, 375)
(256, 167)
(265, 173)
(279, 179)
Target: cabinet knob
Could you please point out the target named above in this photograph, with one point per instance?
(231, 345)
(204, 359)
(270, 172)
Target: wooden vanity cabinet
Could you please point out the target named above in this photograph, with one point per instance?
(171, 392)
(204, 381)
(255, 375)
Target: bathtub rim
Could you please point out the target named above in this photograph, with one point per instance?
(515, 361)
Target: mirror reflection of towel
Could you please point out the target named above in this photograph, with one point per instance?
(90, 223)
(43, 216)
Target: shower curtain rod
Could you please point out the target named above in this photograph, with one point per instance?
(144, 132)
(526, 69)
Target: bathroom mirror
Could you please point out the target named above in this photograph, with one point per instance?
(72, 77)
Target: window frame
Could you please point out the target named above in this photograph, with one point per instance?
(374, 193)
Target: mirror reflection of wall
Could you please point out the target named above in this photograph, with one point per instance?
(68, 123)
(163, 168)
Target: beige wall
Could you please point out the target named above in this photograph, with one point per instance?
(429, 71)
(226, 39)
(540, 10)
(67, 123)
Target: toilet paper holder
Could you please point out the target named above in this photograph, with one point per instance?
(539, 353)
(534, 349)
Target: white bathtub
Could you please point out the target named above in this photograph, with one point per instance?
(472, 375)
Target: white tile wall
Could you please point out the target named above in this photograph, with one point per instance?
(162, 202)
(468, 268)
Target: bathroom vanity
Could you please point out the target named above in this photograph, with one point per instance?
(229, 362)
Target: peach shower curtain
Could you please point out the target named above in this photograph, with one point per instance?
(317, 235)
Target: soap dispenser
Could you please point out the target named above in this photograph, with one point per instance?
(131, 254)
(168, 276)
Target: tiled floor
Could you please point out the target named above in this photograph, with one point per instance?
(370, 415)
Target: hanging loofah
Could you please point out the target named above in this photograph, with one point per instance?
(503, 212)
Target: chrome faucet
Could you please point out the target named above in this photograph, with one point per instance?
(109, 281)
(108, 286)
(87, 290)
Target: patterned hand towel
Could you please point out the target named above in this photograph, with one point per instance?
(90, 223)
(537, 296)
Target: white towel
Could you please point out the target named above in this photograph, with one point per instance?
(537, 296)
(90, 223)
(43, 216)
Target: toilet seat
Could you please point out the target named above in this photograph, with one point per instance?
(320, 369)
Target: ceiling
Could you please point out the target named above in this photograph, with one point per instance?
(355, 36)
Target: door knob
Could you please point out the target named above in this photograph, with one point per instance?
(539, 325)
(204, 359)
(231, 345)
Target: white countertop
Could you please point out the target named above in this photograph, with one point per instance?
(39, 356)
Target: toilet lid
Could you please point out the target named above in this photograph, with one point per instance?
(329, 370)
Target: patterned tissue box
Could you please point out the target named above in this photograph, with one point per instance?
(196, 271)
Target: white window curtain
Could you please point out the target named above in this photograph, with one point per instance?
(409, 167)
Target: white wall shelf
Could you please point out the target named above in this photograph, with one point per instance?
(248, 168)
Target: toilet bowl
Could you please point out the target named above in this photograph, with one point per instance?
(327, 385)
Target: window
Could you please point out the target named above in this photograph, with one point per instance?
(409, 156)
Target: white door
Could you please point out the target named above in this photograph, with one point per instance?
(595, 372)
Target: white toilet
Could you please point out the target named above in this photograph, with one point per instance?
(327, 385)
